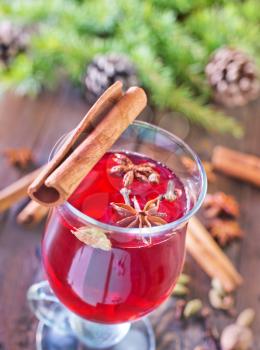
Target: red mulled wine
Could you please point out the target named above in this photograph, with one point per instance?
(137, 274)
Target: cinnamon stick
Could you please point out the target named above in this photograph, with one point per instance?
(210, 257)
(239, 165)
(32, 214)
(17, 190)
(110, 115)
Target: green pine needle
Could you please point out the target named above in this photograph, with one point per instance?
(170, 43)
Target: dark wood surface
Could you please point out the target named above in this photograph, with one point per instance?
(37, 124)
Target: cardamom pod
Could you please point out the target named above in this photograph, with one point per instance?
(192, 308)
(215, 299)
(225, 302)
(246, 317)
(180, 290)
(217, 286)
(183, 279)
(93, 237)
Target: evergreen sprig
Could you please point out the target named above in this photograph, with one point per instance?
(169, 41)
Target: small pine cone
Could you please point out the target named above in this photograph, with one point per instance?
(233, 77)
(104, 70)
(13, 40)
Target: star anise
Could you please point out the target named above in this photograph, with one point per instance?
(144, 172)
(225, 230)
(20, 157)
(220, 204)
(134, 216)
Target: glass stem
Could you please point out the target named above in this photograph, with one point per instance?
(97, 335)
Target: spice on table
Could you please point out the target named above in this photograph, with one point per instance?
(192, 308)
(183, 279)
(19, 157)
(217, 286)
(238, 336)
(32, 214)
(210, 256)
(225, 302)
(220, 213)
(185, 309)
(219, 204)
(235, 337)
(225, 231)
(219, 298)
(246, 317)
(17, 190)
(180, 290)
(245, 167)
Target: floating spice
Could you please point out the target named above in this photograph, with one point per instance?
(144, 172)
(134, 216)
(93, 237)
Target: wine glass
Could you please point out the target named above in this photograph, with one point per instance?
(98, 299)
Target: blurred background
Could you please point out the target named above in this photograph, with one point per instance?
(185, 53)
(198, 61)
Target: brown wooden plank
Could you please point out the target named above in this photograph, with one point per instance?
(15, 124)
(38, 124)
(245, 254)
(249, 259)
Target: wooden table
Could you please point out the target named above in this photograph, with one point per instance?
(37, 124)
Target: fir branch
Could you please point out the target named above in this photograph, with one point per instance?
(165, 95)
(206, 116)
(215, 27)
(248, 9)
(179, 51)
(184, 6)
(169, 41)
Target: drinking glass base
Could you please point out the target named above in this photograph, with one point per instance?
(140, 336)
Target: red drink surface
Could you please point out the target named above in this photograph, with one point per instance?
(134, 277)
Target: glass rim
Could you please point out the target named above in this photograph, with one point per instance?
(146, 230)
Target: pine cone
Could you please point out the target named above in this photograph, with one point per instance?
(233, 77)
(104, 70)
(13, 40)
